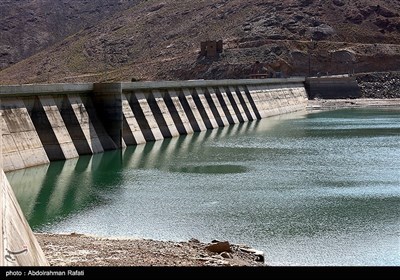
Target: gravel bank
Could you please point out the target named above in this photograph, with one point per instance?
(81, 250)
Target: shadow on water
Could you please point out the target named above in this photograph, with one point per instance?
(49, 193)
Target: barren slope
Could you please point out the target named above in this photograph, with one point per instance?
(28, 26)
(161, 40)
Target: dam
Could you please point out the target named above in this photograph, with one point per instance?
(44, 123)
(258, 181)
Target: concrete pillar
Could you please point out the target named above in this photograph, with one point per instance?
(140, 117)
(107, 101)
(192, 111)
(204, 108)
(45, 131)
(145, 117)
(226, 105)
(245, 103)
(215, 105)
(80, 126)
(162, 115)
(237, 105)
(177, 112)
(132, 133)
(251, 102)
(52, 130)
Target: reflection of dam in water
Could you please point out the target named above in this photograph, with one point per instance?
(304, 188)
(47, 123)
(43, 123)
(60, 188)
(63, 186)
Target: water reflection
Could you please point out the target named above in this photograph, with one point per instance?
(28, 190)
(286, 185)
(49, 193)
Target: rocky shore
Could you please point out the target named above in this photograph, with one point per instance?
(82, 250)
(379, 84)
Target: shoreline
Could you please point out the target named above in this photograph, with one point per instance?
(332, 104)
(76, 250)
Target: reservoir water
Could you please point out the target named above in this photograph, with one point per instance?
(307, 189)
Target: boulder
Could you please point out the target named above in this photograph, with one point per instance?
(259, 255)
(321, 32)
(194, 240)
(339, 2)
(219, 247)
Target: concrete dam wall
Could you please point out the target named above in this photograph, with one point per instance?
(18, 244)
(331, 87)
(43, 123)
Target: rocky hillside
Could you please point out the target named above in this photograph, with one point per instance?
(379, 85)
(28, 26)
(153, 40)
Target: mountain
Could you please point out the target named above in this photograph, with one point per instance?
(28, 26)
(154, 40)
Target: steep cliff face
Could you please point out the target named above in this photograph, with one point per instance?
(153, 40)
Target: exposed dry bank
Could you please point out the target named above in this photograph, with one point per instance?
(328, 104)
(82, 250)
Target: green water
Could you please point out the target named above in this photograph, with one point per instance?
(307, 189)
